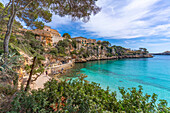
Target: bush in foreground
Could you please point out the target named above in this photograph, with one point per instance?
(80, 96)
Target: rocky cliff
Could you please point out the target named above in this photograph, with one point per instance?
(93, 58)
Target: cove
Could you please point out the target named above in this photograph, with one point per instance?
(152, 73)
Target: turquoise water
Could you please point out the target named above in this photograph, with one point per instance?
(152, 73)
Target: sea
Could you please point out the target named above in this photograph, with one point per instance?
(153, 74)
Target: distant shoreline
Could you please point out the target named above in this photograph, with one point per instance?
(164, 53)
(160, 54)
(102, 59)
(112, 58)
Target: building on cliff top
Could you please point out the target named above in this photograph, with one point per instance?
(83, 40)
(90, 41)
(48, 35)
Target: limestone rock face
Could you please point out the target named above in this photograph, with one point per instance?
(74, 56)
(81, 60)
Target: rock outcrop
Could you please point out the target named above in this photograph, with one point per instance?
(93, 58)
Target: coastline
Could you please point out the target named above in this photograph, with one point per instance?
(44, 78)
(39, 83)
(131, 73)
(83, 60)
(101, 59)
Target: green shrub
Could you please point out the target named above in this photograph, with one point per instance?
(49, 44)
(8, 68)
(63, 43)
(61, 50)
(85, 55)
(82, 50)
(62, 54)
(13, 39)
(1, 47)
(101, 47)
(66, 35)
(80, 96)
(1, 51)
(98, 42)
(7, 89)
(109, 55)
(53, 51)
(74, 52)
(26, 43)
(95, 48)
(73, 43)
(80, 56)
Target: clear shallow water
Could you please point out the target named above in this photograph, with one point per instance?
(152, 73)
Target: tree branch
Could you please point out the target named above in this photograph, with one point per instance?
(12, 6)
(31, 73)
(6, 14)
(25, 5)
(5, 10)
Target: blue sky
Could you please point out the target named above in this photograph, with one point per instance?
(128, 23)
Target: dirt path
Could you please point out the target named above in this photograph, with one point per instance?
(41, 80)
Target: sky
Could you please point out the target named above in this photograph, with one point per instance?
(128, 23)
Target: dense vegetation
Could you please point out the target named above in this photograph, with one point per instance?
(67, 96)
(63, 47)
(66, 35)
(73, 96)
(80, 96)
(26, 43)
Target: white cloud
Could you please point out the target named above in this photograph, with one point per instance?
(4, 1)
(152, 46)
(126, 42)
(124, 19)
(57, 21)
(165, 39)
(130, 19)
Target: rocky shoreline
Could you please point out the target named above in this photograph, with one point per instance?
(83, 60)
(57, 70)
(39, 83)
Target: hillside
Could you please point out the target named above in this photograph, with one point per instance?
(57, 53)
